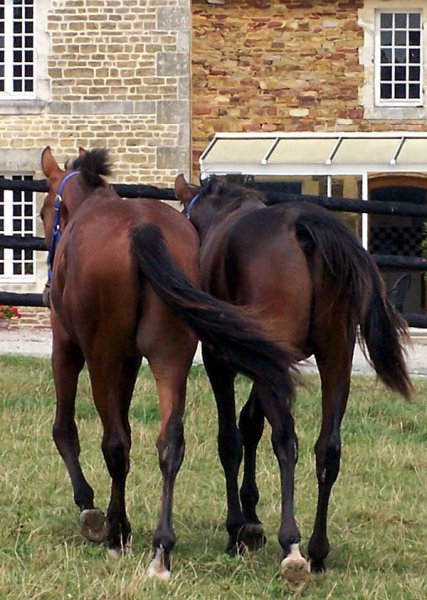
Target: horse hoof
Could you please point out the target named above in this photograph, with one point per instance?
(115, 551)
(317, 566)
(93, 525)
(250, 537)
(296, 573)
(157, 568)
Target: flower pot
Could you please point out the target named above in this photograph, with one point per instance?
(4, 323)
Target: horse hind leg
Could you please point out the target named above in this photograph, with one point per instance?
(67, 362)
(171, 387)
(295, 569)
(116, 448)
(170, 446)
(121, 543)
(170, 365)
(230, 450)
(335, 389)
(112, 399)
(251, 427)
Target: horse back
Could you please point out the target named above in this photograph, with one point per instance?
(258, 262)
(96, 283)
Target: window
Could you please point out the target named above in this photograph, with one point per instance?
(17, 48)
(17, 217)
(399, 60)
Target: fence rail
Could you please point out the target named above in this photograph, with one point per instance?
(331, 202)
(124, 190)
(406, 263)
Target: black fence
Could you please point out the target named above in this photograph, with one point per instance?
(403, 263)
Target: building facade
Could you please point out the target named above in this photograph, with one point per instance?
(73, 73)
(290, 67)
(155, 80)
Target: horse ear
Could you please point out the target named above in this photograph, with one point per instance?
(82, 152)
(48, 163)
(182, 190)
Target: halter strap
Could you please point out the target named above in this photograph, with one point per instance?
(56, 232)
(64, 181)
(192, 204)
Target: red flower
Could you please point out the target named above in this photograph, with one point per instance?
(8, 312)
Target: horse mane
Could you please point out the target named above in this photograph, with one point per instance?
(234, 194)
(93, 166)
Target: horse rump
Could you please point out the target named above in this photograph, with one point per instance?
(233, 335)
(349, 266)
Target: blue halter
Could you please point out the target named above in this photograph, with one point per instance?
(56, 232)
(192, 204)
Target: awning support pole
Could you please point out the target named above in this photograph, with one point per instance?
(365, 221)
(329, 186)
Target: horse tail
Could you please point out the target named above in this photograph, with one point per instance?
(93, 166)
(233, 335)
(382, 330)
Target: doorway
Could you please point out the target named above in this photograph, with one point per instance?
(400, 235)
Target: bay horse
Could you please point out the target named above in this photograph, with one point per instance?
(311, 285)
(124, 284)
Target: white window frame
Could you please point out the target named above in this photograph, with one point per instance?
(396, 102)
(8, 212)
(9, 63)
(20, 103)
(366, 21)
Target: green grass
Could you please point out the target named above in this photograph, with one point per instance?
(378, 515)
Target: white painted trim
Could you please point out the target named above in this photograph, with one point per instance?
(315, 134)
(40, 56)
(366, 20)
(404, 102)
(365, 216)
(8, 212)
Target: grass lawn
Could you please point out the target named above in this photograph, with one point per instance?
(378, 512)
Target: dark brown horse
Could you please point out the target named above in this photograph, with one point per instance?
(311, 285)
(124, 277)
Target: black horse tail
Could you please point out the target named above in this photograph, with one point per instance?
(382, 330)
(233, 336)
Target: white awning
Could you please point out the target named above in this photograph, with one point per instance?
(304, 154)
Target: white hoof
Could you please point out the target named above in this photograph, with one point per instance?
(125, 550)
(114, 553)
(157, 569)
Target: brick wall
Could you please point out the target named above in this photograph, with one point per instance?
(284, 65)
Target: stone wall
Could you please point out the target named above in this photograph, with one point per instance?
(117, 75)
(286, 65)
(120, 77)
(111, 73)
